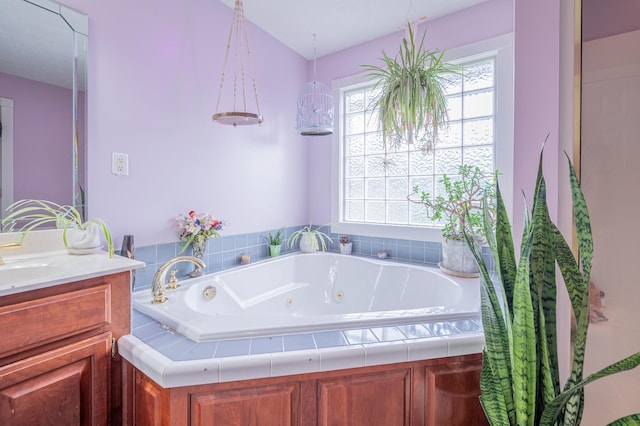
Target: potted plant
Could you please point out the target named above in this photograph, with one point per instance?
(79, 236)
(412, 106)
(275, 242)
(460, 207)
(520, 381)
(310, 239)
(346, 245)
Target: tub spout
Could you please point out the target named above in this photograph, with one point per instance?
(157, 287)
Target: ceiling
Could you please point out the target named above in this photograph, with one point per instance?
(340, 24)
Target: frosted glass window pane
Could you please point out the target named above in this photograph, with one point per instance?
(354, 210)
(450, 135)
(374, 211)
(355, 188)
(454, 107)
(371, 121)
(373, 143)
(375, 188)
(478, 104)
(452, 83)
(371, 98)
(397, 188)
(397, 211)
(418, 215)
(375, 165)
(447, 160)
(354, 101)
(424, 183)
(420, 163)
(481, 156)
(478, 76)
(397, 164)
(354, 124)
(355, 145)
(355, 167)
(478, 131)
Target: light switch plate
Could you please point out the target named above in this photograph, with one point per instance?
(119, 164)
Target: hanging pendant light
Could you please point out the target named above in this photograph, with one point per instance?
(242, 59)
(315, 106)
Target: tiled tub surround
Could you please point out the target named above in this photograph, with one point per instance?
(173, 359)
(224, 252)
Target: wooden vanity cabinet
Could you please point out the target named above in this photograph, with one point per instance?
(56, 363)
(431, 392)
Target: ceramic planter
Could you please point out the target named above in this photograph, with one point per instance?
(457, 259)
(274, 250)
(306, 243)
(346, 248)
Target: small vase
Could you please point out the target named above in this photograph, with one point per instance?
(306, 243)
(199, 248)
(274, 250)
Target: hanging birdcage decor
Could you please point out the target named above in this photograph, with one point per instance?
(315, 106)
(242, 61)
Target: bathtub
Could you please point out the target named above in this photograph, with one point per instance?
(308, 292)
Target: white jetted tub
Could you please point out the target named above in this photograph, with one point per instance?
(308, 292)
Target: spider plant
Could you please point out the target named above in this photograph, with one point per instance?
(32, 214)
(412, 105)
(519, 381)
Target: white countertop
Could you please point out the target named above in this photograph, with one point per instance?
(42, 261)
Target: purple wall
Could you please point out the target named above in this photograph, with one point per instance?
(154, 71)
(42, 116)
(153, 75)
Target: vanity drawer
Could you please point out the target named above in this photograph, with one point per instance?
(36, 322)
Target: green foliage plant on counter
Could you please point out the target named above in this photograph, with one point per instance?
(276, 238)
(520, 382)
(31, 214)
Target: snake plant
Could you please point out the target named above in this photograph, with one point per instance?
(519, 381)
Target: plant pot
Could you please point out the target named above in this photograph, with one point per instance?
(307, 244)
(458, 260)
(83, 241)
(274, 250)
(346, 248)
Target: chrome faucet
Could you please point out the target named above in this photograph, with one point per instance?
(157, 287)
(9, 246)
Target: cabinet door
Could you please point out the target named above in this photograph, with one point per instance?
(452, 394)
(66, 386)
(372, 399)
(264, 405)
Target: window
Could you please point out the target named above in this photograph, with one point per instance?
(371, 198)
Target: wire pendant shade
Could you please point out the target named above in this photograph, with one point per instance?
(241, 60)
(315, 106)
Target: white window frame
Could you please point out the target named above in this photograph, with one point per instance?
(502, 48)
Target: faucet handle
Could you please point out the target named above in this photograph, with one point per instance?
(173, 281)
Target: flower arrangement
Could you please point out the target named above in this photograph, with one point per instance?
(197, 228)
(345, 240)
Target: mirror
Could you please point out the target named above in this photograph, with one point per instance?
(609, 151)
(43, 51)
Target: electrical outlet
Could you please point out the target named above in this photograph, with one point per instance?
(119, 164)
